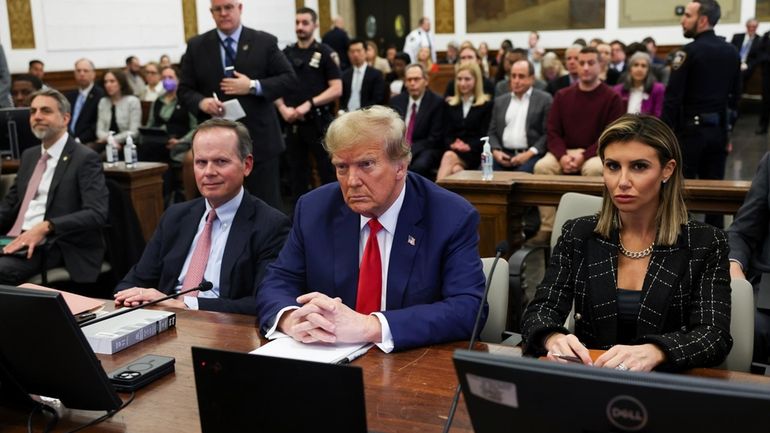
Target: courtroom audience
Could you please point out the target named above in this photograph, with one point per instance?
(434, 283)
(154, 87)
(164, 62)
(503, 77)
(648, 285)
(552, 68)
(467, 117)
(133, 73)
(578, 116)
(227, 237)
(374, 60)
(37, 68)
(395, 79)
(423, 58)
(573, 70)
(749, 238)
(639, 90)
(468, 54)
(607, 74)
(485, 59)
(85, 102)
(505, 46)
(452, 54)
(168, 114)
(22, 87)
(119, 111)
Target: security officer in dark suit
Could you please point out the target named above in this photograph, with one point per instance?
(307, 109)
(704, 86)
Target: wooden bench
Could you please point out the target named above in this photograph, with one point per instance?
(502, 200)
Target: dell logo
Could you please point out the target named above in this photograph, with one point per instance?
(627, 413)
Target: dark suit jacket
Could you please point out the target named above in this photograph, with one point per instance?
(435, 280)
(259, 58)
(77, 206)
(469, 129)
(557, 84)
(536, 123)
(755, 54)
(685, 303)
(372, 88)
(339, 40)
(85, 129)
(256, 237)
(749, 234)
(429, 130)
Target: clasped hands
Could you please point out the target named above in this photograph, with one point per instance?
(571, 164)
(329, 320)
(643, 357)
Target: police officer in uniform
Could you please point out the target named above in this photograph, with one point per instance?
(703, 89)
(307, 110)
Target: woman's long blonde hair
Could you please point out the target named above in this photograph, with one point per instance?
(479, 97)
(649, 130)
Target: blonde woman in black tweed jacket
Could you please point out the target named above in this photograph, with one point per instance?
(649, 286)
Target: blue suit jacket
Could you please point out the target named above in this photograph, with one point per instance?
(435, 279)
(256, 237)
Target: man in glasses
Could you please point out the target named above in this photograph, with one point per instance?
(236, 62)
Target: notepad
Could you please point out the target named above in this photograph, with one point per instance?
(337, 353)
(233, 110)
(78, 304)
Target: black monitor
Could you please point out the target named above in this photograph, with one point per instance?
(15, 133)
(505, 394)
(239, 392)
(43, 350)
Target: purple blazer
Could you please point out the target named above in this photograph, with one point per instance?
(651, 104)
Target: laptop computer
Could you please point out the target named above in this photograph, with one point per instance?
(502, 392)
(238, 392)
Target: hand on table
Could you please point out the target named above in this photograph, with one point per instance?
(136, 296)
(643, 357)
(323, 319)
(569, 345)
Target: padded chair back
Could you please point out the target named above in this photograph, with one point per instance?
(741, 326)
(497, 299)
(573, 205)
(6, 180)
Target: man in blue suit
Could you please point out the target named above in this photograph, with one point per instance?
(417, 281)
(227, 237)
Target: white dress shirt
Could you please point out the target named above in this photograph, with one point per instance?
(354, 103)
(36, 210)
(635, 98)
(220, 230)
(515, 132)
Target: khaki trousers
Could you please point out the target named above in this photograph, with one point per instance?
(548, 164)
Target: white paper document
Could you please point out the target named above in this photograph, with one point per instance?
(233, 110)
(287, 347)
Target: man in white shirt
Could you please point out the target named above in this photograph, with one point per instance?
(59, 192)
(382, 256)
(517, 130)
(226, 237)
(362, 86)
(418, 38)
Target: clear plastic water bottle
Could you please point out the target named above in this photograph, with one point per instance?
(111, 150)
(486, 160)
(129, 152)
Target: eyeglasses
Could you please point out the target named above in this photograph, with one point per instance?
(222, 9)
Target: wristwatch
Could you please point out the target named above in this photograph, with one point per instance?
(253, 86)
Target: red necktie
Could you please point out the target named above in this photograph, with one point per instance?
(30, 193)
(200, 256)
(370, 273)
(410, 127)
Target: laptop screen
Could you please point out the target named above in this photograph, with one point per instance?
(242, 392)
(503, 393)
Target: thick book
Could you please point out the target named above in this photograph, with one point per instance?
(113, 335)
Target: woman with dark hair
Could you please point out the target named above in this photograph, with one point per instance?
(648, 285)
(119, 111)
(468, 113)
(640, 92)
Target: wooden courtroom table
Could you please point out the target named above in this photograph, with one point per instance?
(408, 391)
(143, 184)
(501, 201)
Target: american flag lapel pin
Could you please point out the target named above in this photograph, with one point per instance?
(411, 240)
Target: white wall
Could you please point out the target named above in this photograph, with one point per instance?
(107, 31)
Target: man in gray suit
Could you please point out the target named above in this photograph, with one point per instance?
(749, 238)
(517, 131)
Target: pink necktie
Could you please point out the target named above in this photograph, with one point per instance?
(370, 273)
(30, 193)
(410, 127)
(200, 257)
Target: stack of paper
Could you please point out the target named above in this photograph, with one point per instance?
(287, 347)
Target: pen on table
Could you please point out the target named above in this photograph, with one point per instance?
(568, 358)
(355, 355)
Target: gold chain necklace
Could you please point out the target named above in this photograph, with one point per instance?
(635, 254)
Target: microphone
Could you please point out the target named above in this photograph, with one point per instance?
(501, 248)
(204, 286)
